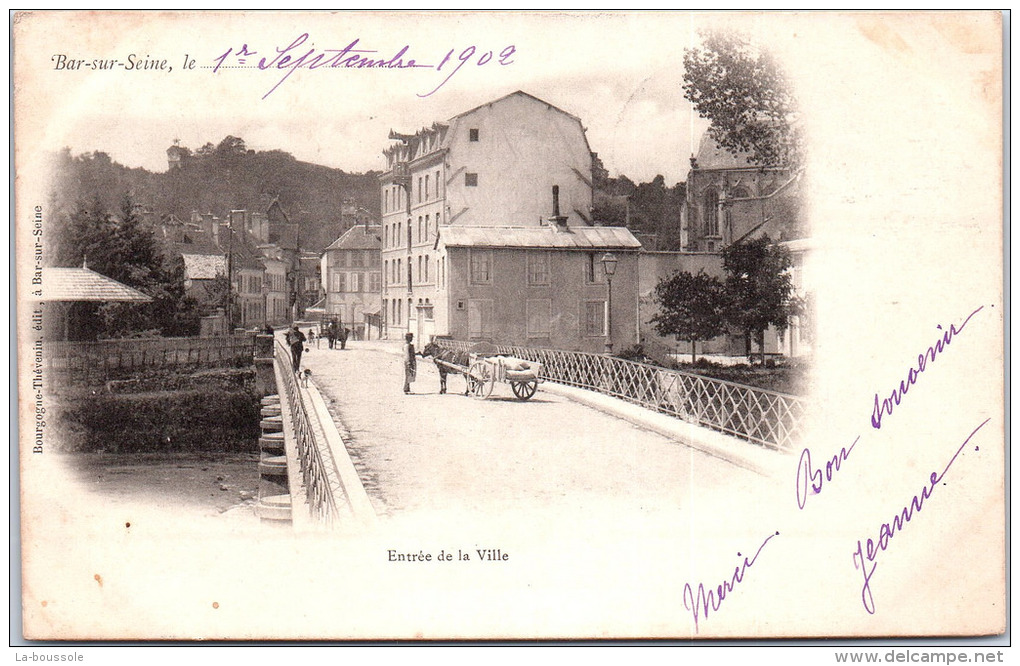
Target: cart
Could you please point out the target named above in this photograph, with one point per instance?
(486, 369)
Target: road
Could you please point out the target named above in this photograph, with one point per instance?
(459, 455)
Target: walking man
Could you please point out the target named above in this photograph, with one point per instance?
(296, 342)
(410, 365)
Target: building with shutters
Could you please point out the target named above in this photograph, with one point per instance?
(487, 233)
(352, 277)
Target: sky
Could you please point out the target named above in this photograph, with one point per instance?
(620, 73)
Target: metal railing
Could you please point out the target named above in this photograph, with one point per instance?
(77, 362)
(318, 471)
(764, 417)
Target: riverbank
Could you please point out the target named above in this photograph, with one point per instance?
(200, 484)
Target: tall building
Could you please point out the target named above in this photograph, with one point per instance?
(487, 227)
(352, 274)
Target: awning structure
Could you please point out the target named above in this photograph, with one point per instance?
(82, 284)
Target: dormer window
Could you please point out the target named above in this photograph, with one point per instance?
(472, 135)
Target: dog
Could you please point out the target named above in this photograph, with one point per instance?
(306, 376)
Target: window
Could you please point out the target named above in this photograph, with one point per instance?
(472, 135)
(595, 318)
(471, 179)
(409, 283)
(374, 280)
(420, 229)
(341, 282)
(419, 268)
(711, 212)
(419, 189)
(386, 270)
(426, 186)
(539, 317)
(481, 266)
(374, 258)
(356, 258)
(438, 193)
(409, 230)
(479, 318)
(386, 201)
(426, 268)
(594, 273)
(355, 282)
(426, 236)
(538, 268)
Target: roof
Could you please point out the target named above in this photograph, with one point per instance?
(574, 238)
(515, 93)
(204, 266)
(81, 284)
(713, 156)
(358, 238)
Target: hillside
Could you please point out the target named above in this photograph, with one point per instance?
(218, 179)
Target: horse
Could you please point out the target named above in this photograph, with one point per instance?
(456, 359)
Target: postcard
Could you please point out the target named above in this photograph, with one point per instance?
(408, 325)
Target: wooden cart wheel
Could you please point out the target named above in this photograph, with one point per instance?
(524, 390)
(482, 379)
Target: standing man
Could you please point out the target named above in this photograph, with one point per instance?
(344, 332)
(410, 365)
(296, 342)
(331, 333)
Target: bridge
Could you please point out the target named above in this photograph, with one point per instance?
(343, 448)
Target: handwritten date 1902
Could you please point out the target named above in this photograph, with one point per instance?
(295, 56)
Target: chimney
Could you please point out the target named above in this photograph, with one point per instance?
(559, 221)
(211, 226)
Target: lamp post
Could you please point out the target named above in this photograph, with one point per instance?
(609, 265)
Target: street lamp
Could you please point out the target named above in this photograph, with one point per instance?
(609, 265)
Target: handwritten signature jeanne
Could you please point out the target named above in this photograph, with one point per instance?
(870, 549)
(295, 56)
(811, 480)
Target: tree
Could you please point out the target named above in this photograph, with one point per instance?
(759, 288)
(691, 307)
(126, 249)
(743, 91)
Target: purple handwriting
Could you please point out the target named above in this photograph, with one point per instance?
(699, 605)
(884, 406)
(810, 478)
(293, 57)
(870, 549)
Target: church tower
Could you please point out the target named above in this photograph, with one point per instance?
(173, 155)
